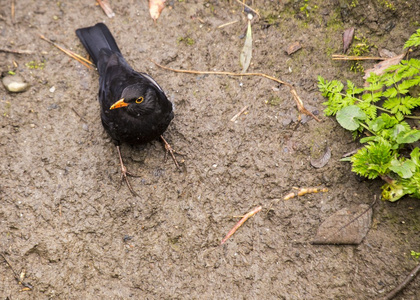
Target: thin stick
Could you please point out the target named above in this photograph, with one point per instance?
(227, 24)
(345, 57)
(239, 224)
(18, 278)
(106, 7)
(239, 114)
(304, 191)
(87, 63)
(81, 118)
(299, 102)
(12, 8)
(248, 7)
(403, 284)
(16, 51)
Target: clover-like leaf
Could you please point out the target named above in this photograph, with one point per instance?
(403, 169)
(407, 137)
(350, 116)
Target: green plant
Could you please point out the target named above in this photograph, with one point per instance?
(306, 8)
(186, 40)
(415, 255)
(361, 47)
(381, 109)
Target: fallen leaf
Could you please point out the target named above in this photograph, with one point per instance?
(380, 68)
(386, 53)
(346, 226)
(246, 53)
(293, 48)
(155, 8)
(347, 38)
(323, 160)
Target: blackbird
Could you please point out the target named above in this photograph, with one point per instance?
(134, 108)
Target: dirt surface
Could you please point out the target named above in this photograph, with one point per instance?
(65, 220)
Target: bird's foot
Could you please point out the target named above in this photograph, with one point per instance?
(124, 177)
(171, 151)
(125, 173)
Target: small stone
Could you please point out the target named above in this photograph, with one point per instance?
(52, 89)
(15, 83)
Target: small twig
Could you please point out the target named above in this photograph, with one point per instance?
(12, 11)
(299, 102)
(239, 114)
(106, 7)
(16, 51)
(346, 57)
(300, 192)
(403, 284)
(239, 224)
(18, 278)
(227, 24)
(250, 8)
(87, 63)
(75, 111)
(351, 152)
(304, 191)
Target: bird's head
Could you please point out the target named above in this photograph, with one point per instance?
(137, 99)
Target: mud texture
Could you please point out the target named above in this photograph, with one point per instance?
(79, 235)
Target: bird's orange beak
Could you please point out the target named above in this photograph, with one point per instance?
(118, 104)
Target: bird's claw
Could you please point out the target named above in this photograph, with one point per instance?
(171, 151)
(125, 173)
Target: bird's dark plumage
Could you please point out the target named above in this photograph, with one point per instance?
(141, 120)
(134, 108)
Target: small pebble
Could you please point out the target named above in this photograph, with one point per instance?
(15, 83)
(52, 89)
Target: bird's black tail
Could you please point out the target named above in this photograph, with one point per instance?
(96, 38)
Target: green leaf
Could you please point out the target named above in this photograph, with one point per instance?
(392, 192)
(407, 137)
(414, 40)
(349, 117)
(352, 89)
(403, 169)
(346, 159)
(373, 160)
(369, 139)
(390, 93)
(415, 157)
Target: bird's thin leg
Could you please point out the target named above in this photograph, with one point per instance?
(124, 173)
(171, 151)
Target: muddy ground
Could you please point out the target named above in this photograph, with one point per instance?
(79, 235)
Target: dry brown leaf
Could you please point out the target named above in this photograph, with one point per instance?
(155, 8)
(293, 48)
(380, 68)
(386, 53)
(347, 38)
(323, 159)
(346, 226)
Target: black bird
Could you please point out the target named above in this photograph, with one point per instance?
(134, 108)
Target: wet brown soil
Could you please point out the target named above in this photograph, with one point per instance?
(65, 220)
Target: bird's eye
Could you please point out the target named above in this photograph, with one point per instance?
(139, 100)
